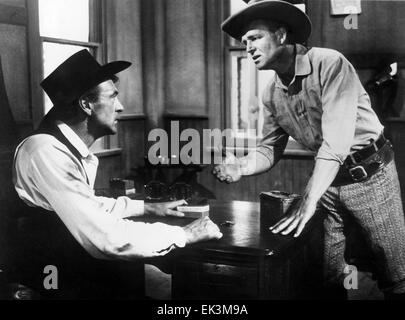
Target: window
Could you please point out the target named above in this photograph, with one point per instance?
(245, 110)
(66, 27)
(245, 84)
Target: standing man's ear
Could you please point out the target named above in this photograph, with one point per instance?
(85, 106)
(282, 35)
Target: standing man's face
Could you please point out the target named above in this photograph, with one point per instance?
(106, 109)
(263, 45)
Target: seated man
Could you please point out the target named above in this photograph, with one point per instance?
(54, 172)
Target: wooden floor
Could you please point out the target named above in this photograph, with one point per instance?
(368, 289)
(158, 286)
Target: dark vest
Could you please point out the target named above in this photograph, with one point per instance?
(44, 240)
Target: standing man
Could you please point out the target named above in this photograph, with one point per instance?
(54, 172)
(316, 97)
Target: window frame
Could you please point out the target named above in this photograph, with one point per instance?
(96, 45)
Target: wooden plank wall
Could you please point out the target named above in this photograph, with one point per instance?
(14, 95)
(378, 41)
(131, 137)
(182, 44)
(14, 103)
(176, 50)
(185, 55)
(289, 175)
(123, 40)
(15, 60)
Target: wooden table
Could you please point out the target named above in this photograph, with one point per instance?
(247, 264)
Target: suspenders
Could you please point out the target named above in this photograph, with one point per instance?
(54, 131)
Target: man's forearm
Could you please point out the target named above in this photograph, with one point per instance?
(122, 207)
(255, 163)
(324, 173)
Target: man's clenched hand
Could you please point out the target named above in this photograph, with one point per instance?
(202, 229)
(230, 170)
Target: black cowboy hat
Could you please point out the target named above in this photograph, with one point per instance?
(279, 11)
(78, 74)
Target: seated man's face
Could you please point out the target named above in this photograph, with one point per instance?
(262, 44)
(106, 109)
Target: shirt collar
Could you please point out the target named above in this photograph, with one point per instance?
(302, 65)
(74, 139)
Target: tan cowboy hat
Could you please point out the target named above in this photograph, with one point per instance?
(279, 11)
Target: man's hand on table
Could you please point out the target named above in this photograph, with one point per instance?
(202, 229)
(199, 230)
(296, 220)
(164, 209)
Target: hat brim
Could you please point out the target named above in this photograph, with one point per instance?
(114, 67)
(279, 11)
(106, 72)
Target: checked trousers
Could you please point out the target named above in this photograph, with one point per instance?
(375, 206)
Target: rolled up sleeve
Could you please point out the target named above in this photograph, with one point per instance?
(341, 88)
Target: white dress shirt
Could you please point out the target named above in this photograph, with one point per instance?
(46, 174)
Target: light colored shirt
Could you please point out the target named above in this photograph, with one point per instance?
(46, 174)
(325, 108)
